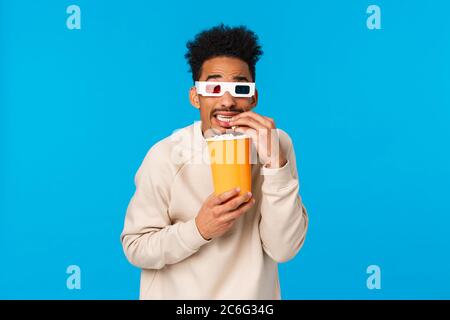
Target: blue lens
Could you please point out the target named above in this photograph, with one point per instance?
(242, 89)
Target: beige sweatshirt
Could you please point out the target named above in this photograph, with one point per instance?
(160, 235)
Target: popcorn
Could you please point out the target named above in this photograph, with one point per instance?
(228, 136)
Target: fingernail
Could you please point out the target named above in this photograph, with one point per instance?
(238, 189)
(249, 194)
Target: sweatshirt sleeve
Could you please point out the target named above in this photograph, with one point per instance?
(149, 239)
(284, 219)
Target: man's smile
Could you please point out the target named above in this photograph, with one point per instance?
(222, 118)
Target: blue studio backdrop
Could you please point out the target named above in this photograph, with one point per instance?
(365, 99)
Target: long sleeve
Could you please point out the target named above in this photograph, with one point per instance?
(149, 239)
(284, 219)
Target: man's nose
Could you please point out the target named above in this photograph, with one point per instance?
(227, 100)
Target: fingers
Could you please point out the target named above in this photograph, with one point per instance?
(234, 203)
(223, 197)
(248, 131)
(229, 217)
(260, 138)
(265, 121)
(256, 131)
(249, 122)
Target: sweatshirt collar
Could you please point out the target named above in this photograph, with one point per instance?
(199, 139)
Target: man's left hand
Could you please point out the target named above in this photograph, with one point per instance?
(263, 132)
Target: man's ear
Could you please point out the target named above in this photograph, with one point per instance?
(193, 98)
(254, 99)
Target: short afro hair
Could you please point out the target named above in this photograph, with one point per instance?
(237, 42)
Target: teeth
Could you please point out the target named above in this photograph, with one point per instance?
(223, 118)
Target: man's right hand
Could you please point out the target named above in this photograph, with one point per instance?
(218, 213)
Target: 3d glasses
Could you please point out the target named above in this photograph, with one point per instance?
(217, 89)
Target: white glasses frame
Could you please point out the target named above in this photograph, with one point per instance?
(201, 87)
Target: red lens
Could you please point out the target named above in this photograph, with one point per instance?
(213, 88)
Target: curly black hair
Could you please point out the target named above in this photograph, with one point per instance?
(238, 42)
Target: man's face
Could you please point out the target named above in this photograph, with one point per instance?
(224, 69)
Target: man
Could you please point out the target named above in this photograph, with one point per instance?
(190, 243)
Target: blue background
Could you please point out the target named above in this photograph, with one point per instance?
(368, 112)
